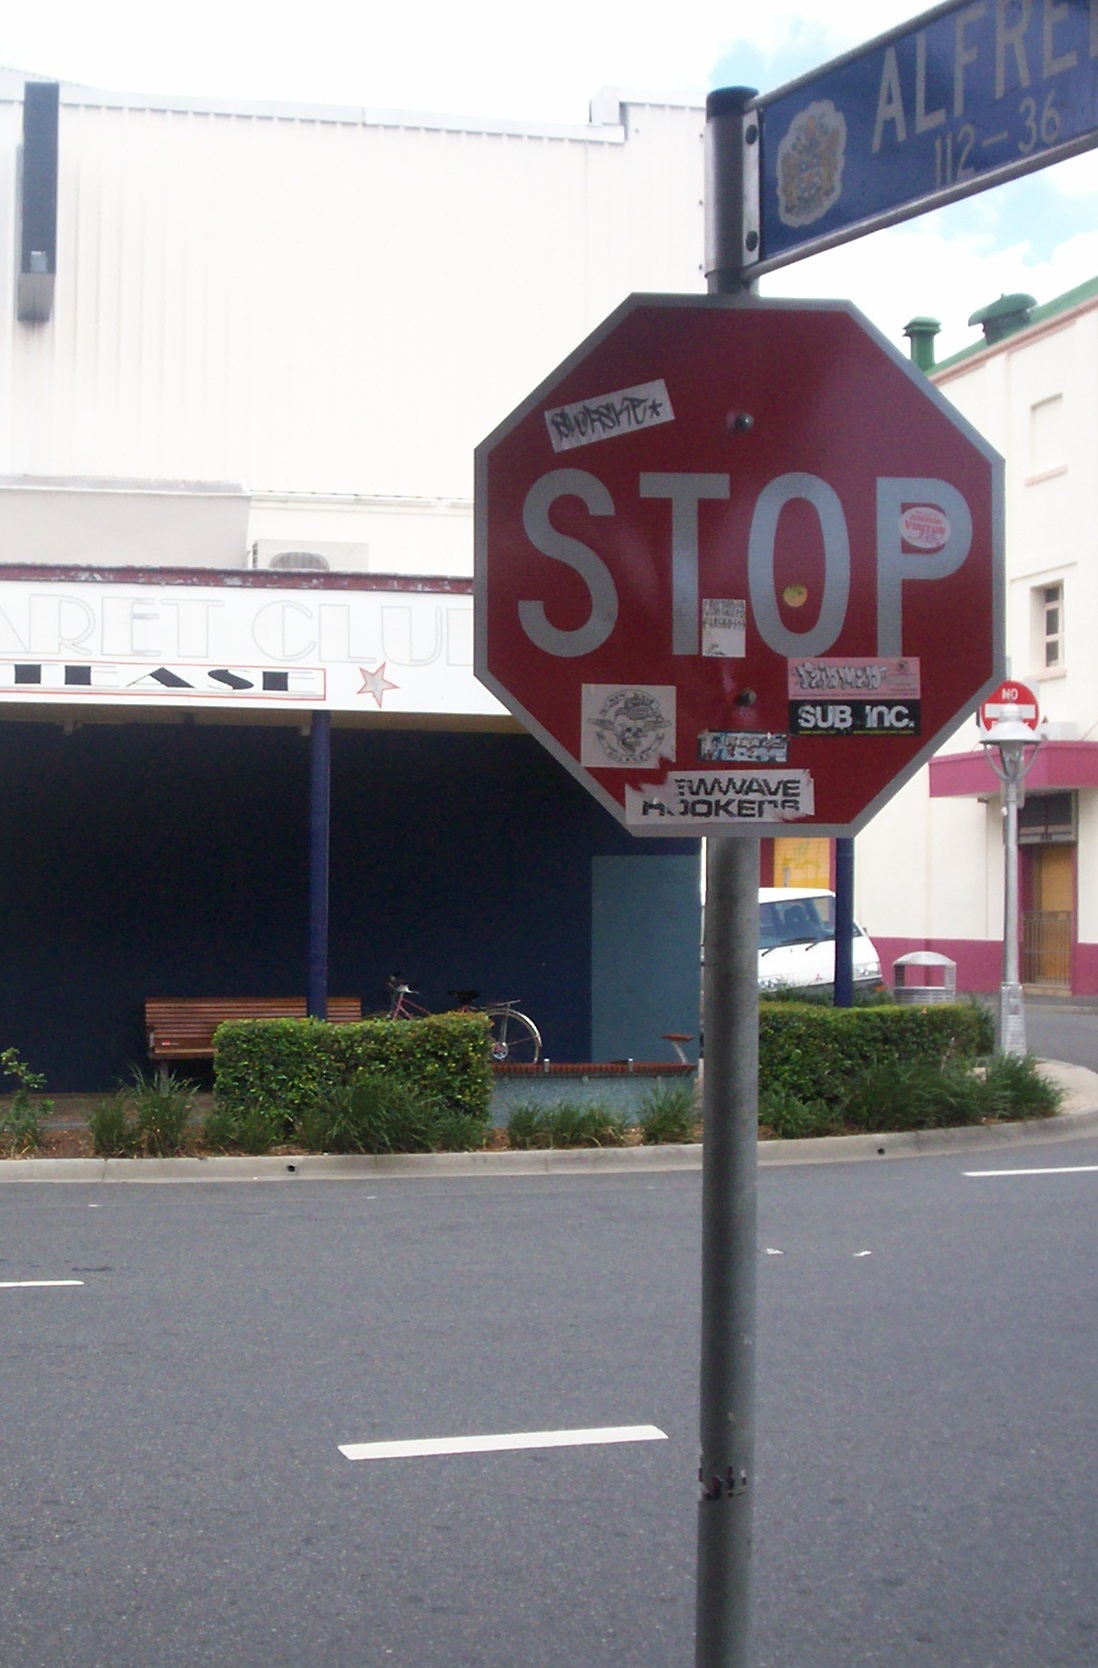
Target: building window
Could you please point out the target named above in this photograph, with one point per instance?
(1048, 819)
(1047, 455)
(1048, 628)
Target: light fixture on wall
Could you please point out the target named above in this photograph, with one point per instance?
(37, 203)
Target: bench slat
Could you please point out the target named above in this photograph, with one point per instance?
(183, 1027)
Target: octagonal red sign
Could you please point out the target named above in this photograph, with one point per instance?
(738, 565)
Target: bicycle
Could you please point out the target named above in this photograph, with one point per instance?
(515, 1037)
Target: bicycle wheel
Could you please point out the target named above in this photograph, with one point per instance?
(515, 1038)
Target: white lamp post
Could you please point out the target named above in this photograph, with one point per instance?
(1011, 749)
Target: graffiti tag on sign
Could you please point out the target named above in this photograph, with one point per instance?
(867, 675)
(722, 796)
(642, 407)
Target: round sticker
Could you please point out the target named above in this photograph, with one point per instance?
(924, 527)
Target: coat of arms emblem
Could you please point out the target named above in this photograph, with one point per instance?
(810, 164)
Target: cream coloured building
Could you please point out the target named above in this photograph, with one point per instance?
(930, 866)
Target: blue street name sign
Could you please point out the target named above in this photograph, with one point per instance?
(954, 101)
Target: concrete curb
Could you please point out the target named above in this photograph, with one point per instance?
(1080, 1117)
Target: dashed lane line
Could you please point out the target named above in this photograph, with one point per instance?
(23, 1285)
(1057, 1170)
(506, 1442)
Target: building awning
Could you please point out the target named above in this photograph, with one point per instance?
(1058, 765)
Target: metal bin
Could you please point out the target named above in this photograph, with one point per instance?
(938, 978)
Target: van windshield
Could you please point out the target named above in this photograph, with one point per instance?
(798, 921)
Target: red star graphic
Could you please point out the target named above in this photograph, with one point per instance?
(376, 683)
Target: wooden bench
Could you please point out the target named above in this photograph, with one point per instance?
(182, 1027)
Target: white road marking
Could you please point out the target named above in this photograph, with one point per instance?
(501, 1444)
(20, 1285)
(1060, 1170)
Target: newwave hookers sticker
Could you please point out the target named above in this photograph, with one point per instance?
(644, 406)
(626, 725)
(743, 747)
(853, 675)
(698, 797)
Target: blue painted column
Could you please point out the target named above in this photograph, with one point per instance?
(320, 797)
(844, 923)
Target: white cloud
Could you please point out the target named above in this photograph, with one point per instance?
(921, 271)
(1077, 177)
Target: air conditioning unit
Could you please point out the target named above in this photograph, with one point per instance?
(315, 556)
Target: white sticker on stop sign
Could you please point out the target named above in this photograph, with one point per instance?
(738, 797)
(924, 527)
(626, 725)
(583, 422)
(724, 627)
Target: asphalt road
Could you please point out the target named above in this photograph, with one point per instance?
(1063, 1033)
(173, 1491)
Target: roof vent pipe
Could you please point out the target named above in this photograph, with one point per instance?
(921, 334)
(1004, 317)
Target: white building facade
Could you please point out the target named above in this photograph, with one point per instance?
(243, 378)
(930, 866)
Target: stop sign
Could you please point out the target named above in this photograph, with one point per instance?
(738, 565)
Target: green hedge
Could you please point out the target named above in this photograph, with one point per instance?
(281, 1068)
(814, 1053)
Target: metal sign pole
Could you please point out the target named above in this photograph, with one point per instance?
(844, 923)
(731, 1081)
(730, 1109)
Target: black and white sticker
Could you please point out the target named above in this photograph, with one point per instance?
(699, 797)
(854, 718)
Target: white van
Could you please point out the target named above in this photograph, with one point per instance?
(797, 941)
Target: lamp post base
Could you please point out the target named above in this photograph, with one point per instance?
(1012, 1020)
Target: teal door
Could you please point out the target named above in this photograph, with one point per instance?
(645, 955)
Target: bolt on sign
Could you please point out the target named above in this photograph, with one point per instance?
(738, 565)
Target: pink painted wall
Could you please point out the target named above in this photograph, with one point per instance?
(980, 962)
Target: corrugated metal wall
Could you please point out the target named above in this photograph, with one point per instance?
(326, 305)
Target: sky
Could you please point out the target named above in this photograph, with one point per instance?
(496, 58)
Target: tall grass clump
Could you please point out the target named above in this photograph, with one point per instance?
(914, 1094)
(162, 1107)
(382, 1113)
(789, 1118)
(566, 1124)
(1015, 1087)
(253, 1130)
(111, 1127)
(669, 1113)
